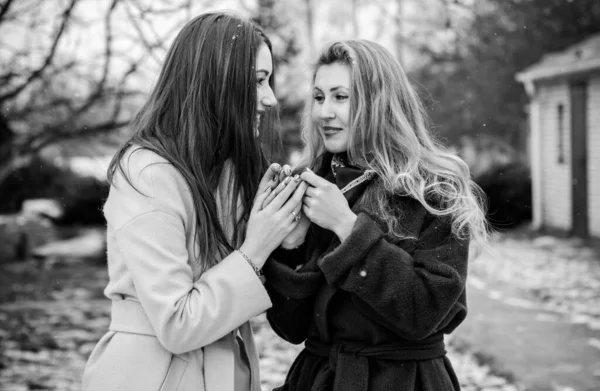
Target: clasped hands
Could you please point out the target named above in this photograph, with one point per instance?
(322, 203)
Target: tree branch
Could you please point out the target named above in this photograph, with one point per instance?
(100, 87)
(66, 16)
(4, 9)
(57, 135)
(183, 6)
(150, 47)
(26, 151)
(49, 102)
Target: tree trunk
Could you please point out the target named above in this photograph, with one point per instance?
(310, 28)
(6, 149)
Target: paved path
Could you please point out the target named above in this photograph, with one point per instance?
(544, 351)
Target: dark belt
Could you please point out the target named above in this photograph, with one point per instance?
(349, 360)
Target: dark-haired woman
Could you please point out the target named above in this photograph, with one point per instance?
(187, 235)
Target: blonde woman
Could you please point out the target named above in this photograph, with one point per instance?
(374, 274)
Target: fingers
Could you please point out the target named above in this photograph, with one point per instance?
(298, 210)
(311, 191)
(307, 201)
(260, 199)
(280, 178)
(305, 209)
(291, 185)
(313, 179)
(275, 192)
(295, 200)
(268, 199)
(296, 214)
(285, 171)
(299, 170)
(267, 179)
(307, 212)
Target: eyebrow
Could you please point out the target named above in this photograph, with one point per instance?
(332, 88)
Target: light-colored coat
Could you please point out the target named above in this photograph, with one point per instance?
(172, 327)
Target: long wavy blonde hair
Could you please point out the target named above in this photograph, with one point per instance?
(389, 134)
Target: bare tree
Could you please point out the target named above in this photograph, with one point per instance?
(310, 27)
(428, 28)
(54, 87)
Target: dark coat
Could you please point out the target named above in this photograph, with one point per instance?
(372, 310)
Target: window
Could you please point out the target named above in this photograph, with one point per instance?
(561, 133)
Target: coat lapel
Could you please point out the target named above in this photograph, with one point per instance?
(218, 364)
(252, 354)
(219, 361)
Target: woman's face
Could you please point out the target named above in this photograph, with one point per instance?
(331, 106)
(265, 97)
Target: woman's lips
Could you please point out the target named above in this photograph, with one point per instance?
(330, 130)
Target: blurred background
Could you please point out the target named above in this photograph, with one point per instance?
(512, 86)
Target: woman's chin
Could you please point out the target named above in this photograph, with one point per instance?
(335, 148)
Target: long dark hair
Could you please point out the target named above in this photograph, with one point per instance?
(201, 117)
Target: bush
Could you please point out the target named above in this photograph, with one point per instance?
(83, 205)
(508, 188)
(37, 180)
(81, 197)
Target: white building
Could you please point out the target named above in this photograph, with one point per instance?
(564, 89)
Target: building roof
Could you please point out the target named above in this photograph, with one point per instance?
(581, 57)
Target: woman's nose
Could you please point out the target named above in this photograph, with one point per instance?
(325, 111)
(268, 99)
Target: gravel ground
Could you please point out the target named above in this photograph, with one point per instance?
(45, 348)
(50, 320)
(51, 317)
(559, 274)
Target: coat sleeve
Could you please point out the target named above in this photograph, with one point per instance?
(185, 314)
(414, 294)
(292, 286)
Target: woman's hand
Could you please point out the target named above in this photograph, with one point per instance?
(270, 179)
(268, 226)
(298, 234)
(284, 172)
(325, 205)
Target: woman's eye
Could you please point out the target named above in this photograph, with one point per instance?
(260, 81)
(341, 97)
(318, 98)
